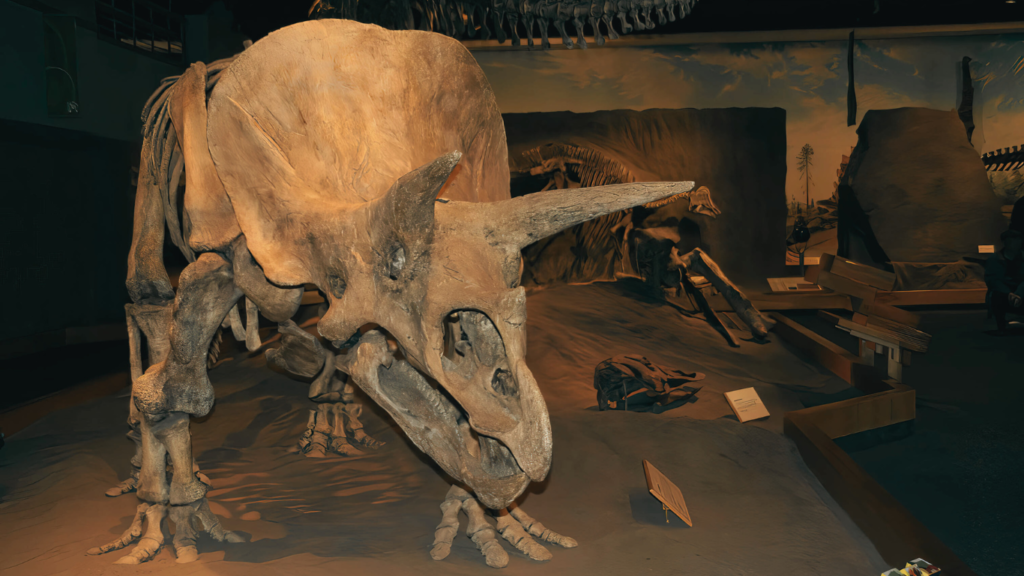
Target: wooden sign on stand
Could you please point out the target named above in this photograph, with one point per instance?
(667, 493)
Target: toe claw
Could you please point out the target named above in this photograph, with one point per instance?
(127, 485)
(441, 550)
(535, 528)
(511, 530)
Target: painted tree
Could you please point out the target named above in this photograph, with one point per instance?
(804, 164)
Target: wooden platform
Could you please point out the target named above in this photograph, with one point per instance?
(771, 301)
(895, 532)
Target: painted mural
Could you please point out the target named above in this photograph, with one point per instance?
(808, 80)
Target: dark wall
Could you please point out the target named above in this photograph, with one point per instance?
(113, 81)
(738, 153)
(65, 228)
(65, 225)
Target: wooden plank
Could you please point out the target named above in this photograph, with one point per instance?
(932, 297)
(859, 318)
(829, 317)
(883, 334)
(867, 412)
(895, 369)
(825, 263)
(906, 333)
(873, 277)
(846, 286)
(824, 300)
(867, 352)
(811, 273)
(895, 532)
(878, 340)
(832, 356)
(893, 313)
(817, 300)
(860, 305)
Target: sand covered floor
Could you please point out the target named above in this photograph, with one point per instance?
(757, 510)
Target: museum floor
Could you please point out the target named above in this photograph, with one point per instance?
(756, 508)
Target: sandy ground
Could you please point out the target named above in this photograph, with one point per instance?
(756, 508)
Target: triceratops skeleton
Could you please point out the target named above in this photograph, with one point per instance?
(319, 155)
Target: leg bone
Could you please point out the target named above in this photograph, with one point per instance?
(449, 526)
(483, 535)
(698, 262)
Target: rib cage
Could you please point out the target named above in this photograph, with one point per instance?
(165, 162)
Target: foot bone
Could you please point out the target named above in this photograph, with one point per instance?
(186, 519)
(513, 524)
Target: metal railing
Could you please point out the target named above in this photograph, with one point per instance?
(144, 26)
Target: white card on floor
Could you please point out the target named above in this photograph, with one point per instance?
(667, 493)
(746, 404)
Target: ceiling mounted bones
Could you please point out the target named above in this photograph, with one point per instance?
(480, 19)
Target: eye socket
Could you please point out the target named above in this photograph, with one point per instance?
(337, 285)
(396, 261)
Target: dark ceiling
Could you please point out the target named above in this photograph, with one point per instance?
(255, 18)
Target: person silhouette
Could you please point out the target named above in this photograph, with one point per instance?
(1004, 277)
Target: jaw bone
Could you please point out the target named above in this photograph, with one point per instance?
(433, 422)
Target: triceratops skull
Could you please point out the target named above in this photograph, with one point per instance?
(315, 132)
(442, 278)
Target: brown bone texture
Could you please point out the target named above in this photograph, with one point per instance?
(373, 165)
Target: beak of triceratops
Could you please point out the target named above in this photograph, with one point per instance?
(481, 415)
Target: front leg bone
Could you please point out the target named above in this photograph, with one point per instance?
(173, 433)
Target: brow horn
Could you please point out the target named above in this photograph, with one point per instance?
(409, 204)
(524, 220)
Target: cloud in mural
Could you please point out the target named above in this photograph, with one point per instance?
(807, 79)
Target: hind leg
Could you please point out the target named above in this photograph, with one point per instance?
(166, 395)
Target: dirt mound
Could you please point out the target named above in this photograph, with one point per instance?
(756, 507)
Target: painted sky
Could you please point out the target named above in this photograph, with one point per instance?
(807, 79)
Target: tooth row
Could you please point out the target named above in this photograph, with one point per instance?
(482, 18)
(437, 400)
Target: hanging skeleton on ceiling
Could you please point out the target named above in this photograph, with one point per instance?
(474, 19)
